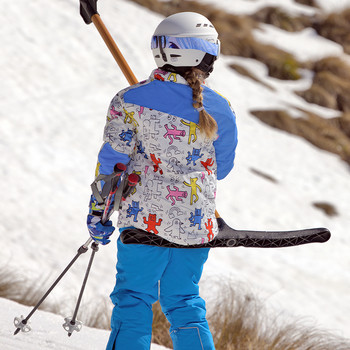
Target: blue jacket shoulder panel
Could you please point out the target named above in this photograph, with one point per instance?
(166, 97)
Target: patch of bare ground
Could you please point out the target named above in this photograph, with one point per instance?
(248, 74)
(311, 3)
(282, 19)
(328, 208)
(327, 134)
(331, 84)
(335, 27)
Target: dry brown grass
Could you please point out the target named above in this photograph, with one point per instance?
(28, 292)
(281, 19)
(327, 208)
(160, 327)
(335, 27)
(326, 134)
(24, 291)
(247, 73)
(239, 321)
(331, 84)
(96, 313)
(311, 3)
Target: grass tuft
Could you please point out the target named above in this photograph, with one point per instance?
(237, 319)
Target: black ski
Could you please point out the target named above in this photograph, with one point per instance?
(229, 237)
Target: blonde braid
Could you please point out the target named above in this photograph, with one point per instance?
(207, 123)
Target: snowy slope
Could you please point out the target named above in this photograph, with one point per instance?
(57, 78)
(47, 332)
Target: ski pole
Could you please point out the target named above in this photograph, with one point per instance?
(22, 322)
(88, 10)
(72, 324)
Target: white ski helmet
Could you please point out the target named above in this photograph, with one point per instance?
(184, 40)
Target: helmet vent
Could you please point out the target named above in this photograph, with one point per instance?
(204, 25)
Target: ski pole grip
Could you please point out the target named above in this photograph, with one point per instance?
(119, 168)
(133, 180)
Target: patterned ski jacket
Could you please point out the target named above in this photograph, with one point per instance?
(152, 127)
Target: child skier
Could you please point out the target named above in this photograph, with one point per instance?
(179, 136)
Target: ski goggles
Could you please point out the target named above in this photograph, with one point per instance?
(186, 43)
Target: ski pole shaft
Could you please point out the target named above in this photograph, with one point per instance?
(88, 10)
(94, 247)
(81, 250)
(113, 48)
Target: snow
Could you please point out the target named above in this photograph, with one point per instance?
(47, 332)
(294, 42)
(57, 78)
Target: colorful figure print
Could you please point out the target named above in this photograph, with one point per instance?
(194, 187)
(173, 133)
(209, 226)
(129, 119)
(175, 194)
(196, 219)
(134, 210)
(175, 230)
(156, 164)
(209, 162)
(141, 149)
(152, 223)
(114, 114)
(194, 156)
(126, 136)
(172, 77)
(193, 130)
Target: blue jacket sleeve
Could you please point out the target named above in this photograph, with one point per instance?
(225, 145)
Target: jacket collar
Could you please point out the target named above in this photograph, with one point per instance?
(162, 75)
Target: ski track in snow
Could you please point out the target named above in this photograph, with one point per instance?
(57, 78)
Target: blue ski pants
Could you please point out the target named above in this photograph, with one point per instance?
(145, 273)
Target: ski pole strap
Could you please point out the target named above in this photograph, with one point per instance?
(110, 183)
